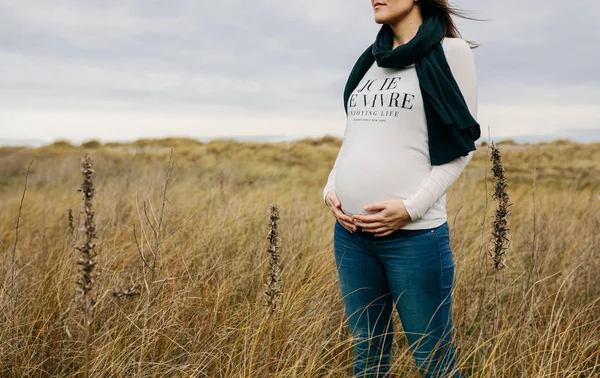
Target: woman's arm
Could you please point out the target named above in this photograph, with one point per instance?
(438, 182)
(462, 64)
(331, 178)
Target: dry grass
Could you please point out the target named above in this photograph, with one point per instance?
(205, 315)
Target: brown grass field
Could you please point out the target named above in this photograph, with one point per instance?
(204, 313)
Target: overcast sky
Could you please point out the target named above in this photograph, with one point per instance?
(127, 69)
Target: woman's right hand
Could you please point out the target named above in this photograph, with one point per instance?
(334, 204)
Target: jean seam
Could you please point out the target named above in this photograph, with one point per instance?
(441, 260)
(442, 275)
(442, 280)
(441, 288)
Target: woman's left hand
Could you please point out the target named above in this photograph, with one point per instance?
(391, 215)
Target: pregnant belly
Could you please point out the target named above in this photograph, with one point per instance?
(358, 189)
(360, 185)
(354, 199)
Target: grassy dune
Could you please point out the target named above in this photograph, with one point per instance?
(204, 314)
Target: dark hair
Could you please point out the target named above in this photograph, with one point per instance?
(445, 11)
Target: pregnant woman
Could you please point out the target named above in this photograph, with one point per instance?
(411, 104)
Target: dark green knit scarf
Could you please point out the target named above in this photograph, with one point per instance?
(452, 130)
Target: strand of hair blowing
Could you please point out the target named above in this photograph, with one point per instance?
(445, 11)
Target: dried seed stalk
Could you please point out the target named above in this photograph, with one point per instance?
(83, 297)
(500, 230)
(71, 226)
(272, 291)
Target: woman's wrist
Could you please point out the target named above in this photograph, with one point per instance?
(410, 209)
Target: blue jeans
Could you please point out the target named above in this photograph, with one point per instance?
(411, 270)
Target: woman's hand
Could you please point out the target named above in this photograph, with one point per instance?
(391, 216)
(334, 204)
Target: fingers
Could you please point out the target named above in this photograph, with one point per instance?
(377, 230)
(384, 234)
(329, 201)
(367, 218)
(348, 226)
(370, 225)
(341, 216)
(382, 229)
(334, 204)
(377, 206)
(336, 201)
(332, 199)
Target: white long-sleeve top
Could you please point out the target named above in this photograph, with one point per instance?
(385, 151)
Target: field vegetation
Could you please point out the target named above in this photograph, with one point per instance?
(182, 238)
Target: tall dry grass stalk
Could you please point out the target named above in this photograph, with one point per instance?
(150, 259)
(149, 262)
(85, 283)
(500, 229)
(13, 267)
(149, 247)
(273, 282)
(531, 271)
(71, 228)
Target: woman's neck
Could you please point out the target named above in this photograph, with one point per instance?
(406, 28)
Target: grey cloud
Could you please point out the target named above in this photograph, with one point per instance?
(251, 47)
(286, 57)
(537, 42)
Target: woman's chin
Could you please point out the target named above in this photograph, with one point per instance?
(381, 19)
